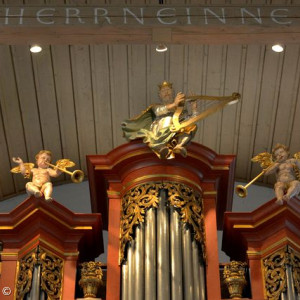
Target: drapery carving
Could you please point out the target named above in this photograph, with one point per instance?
(135, 203)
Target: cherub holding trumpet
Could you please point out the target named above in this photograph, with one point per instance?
(40, 184)
(287, 171)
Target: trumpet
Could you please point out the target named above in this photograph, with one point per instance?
(241, 190)
(77, 176)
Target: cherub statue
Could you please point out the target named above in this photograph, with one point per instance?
(40, 184)
(287, 171)
(168, 127)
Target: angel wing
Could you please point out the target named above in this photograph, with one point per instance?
(297, 155)
(264, 159)
(65, 163)
(28, 167)
(296, 169)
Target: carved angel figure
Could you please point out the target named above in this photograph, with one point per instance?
(286, 170)
(168, 127)
(40, 184)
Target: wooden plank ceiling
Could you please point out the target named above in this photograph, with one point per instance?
(71, 99)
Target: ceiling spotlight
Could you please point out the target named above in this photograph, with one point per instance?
(161, 48)
(277, 48)
(35, 48)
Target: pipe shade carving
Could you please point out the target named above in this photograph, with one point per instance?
(138, 200)
(51, 274)
(277, 267)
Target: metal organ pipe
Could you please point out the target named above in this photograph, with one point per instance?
(163, 261)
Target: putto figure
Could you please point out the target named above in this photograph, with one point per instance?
(168, 127)
(287, 171)
(40, 184)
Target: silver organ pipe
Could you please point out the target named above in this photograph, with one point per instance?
(163, 266)
(150, 255)
(176, 256)
(163, 261)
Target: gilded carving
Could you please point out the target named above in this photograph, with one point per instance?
(51, 274)
(134, 205)
(295, 263)
(275, 273)
(91, 278)
(136, 202)
(234, 278)
(190, 208)
(25, 273)
(51, 279)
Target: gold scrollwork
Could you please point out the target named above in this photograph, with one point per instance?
(187, 201)
(295, 263)
(134, 205)
(275, 273)
(51, 279)
(51, 274)
(25, 273)
(190, 207)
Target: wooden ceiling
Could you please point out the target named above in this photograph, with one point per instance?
(72, 99)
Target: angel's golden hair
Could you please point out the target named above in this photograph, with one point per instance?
(42, 152)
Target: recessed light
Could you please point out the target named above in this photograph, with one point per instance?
(161, 48)
(35, 48)
(277, 48)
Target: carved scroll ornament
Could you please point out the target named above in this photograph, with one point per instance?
(138, 200)
(275, 271)
(51, 274)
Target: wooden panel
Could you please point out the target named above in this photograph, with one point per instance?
(267, 105)
(156, 73)
(12, 117)
(230, 115)
(28, 101)
(101, 92)
(250, 92)
(83, 96)
(288, 96)
(214, 86)
(196, 77)
(46, 95)
(118, 60)
(6, 178)
(295, 132)
(177, 65)
(137, 80)
(65, 102)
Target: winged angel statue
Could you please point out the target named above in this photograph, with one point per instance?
(40, 183)
(287, 171)
(168, 127)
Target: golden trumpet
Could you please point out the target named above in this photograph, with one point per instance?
(77, 176)
(241, 190)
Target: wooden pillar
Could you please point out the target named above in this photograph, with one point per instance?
(113, 268)
(212, 264)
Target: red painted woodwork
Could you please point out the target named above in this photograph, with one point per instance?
(131, 164)
(71, 236)
(134, 160)
(253, 236)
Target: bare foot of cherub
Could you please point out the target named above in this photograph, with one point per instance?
(286, 198)
(38, 194)
(279, 201)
